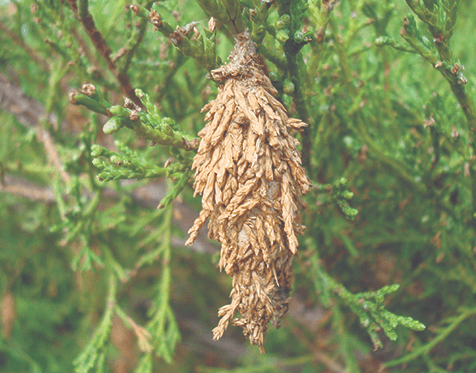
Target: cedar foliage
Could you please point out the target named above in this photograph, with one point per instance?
(100, 114)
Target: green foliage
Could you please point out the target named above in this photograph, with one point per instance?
(100, 277)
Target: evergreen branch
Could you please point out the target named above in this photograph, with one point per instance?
(368, 306)
(259, 19)
(163, 325)
(383, 41)
(178, 187)
(425, 349)
(101, 46)
(127, 52)
(201, 48)
(130, 165)
(291, 14)
(147, 124)
(441, 24)
(339, 195)
(227, 12)
(320, 15)
(452, 72)
(89, 356)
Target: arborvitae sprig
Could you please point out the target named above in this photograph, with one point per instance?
(129, 165)
(147, 123)
(91, 98)
(368, 306)
(340, 195)
(440, 19)
(259, 17)
(96, 346)
(177, 188)
(199, 47)
(163, 326)
(227, 12)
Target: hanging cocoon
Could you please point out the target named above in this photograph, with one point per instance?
(249, 173)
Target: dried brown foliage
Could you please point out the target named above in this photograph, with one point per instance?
(249, 172)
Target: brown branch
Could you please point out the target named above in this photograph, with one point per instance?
(101, 46)
(84, 46)
(23, 188)
(45, 137)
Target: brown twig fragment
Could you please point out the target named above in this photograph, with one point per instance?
(249, 172)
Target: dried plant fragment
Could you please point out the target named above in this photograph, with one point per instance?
(249, 173)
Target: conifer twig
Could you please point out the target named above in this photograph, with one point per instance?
(425, 349)
(99, 42)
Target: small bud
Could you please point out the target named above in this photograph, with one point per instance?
(298, 37)
(112, 125)
(347, 195)
(212, 24)
(139, 93)
(280, 25)
(116, 110)
(139, 10)
(134, 8)
(155, 18)
(274, 76)
(285, 18)
(129, 104)
(96, 150)
(282, 36)
(88, 89)
(134, 115)
(288, 87)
